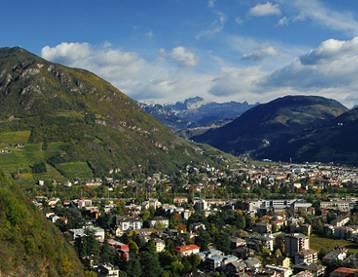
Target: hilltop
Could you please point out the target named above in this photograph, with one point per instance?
(267, 130)
(60, 122)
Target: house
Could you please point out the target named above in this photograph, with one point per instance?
(337, 255)
(306, 256)
(122, 249)
(200, 204)
(81, 203)
(197, 226)
(315, 269)
(284, 262)
(344, 272)
(213, 262)
(159, 245)
(262, 228)
(107, 270)
(257, 241)
(151, 203)
(281, 271)
(126, 224)
(253, 264)
(341, 221)
(304, 273)
(159, 222)
(180, 200)
(98, 232)
(234, 268)
(188, 250)
(237, 242)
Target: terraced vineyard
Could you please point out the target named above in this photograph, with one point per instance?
(18, 158)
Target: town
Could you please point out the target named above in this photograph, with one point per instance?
(246, 218)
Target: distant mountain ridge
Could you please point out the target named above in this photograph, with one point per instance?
(196, 112)
(301, 128)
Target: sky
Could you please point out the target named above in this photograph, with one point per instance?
(162, 51)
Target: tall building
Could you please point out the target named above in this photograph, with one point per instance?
(296, 242)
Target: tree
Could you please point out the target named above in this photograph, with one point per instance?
(39, 168)
(203, 239)
(150, 264)
(133, 247)
(107, 254)
(177, 267)
(134, 268)
(222, 241)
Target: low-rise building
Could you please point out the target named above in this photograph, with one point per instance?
(187, 250)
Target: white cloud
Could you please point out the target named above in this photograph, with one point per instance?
(211, 3)
(234, 81)
(158, 79)
(330, 69)
(260, 54)
(215, 27)
(270, 54)
(68, 52)
(266, 9)
(239, 20)
(317, 11)
(148, 34)
(283, 21)
(184, 56)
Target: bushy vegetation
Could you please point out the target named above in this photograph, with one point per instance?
(30, 245)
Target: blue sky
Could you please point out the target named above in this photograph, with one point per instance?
(167, 50)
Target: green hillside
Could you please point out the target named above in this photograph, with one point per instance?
(75, 124)
(30, 245)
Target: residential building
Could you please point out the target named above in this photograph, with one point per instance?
(306, 256)
(294, 243)
(187, 250)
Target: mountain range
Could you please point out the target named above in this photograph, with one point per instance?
(297, 128)
(74, 124)
(196, 115)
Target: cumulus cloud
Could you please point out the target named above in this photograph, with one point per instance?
(184, 56)
(317, 11)
(233, 81)
(260, 54)
(270, 54)
(66, 52)
(266, 9)
(329, 70)
(283, 21)
(158, 79)
(333, 65)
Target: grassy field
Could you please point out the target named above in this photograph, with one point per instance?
(73, 170)
(317, 243)
(19, 137)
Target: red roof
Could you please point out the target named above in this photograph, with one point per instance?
(189, 247)
(346, 270)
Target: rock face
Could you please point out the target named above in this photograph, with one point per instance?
(92, 120)
(277, 130)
